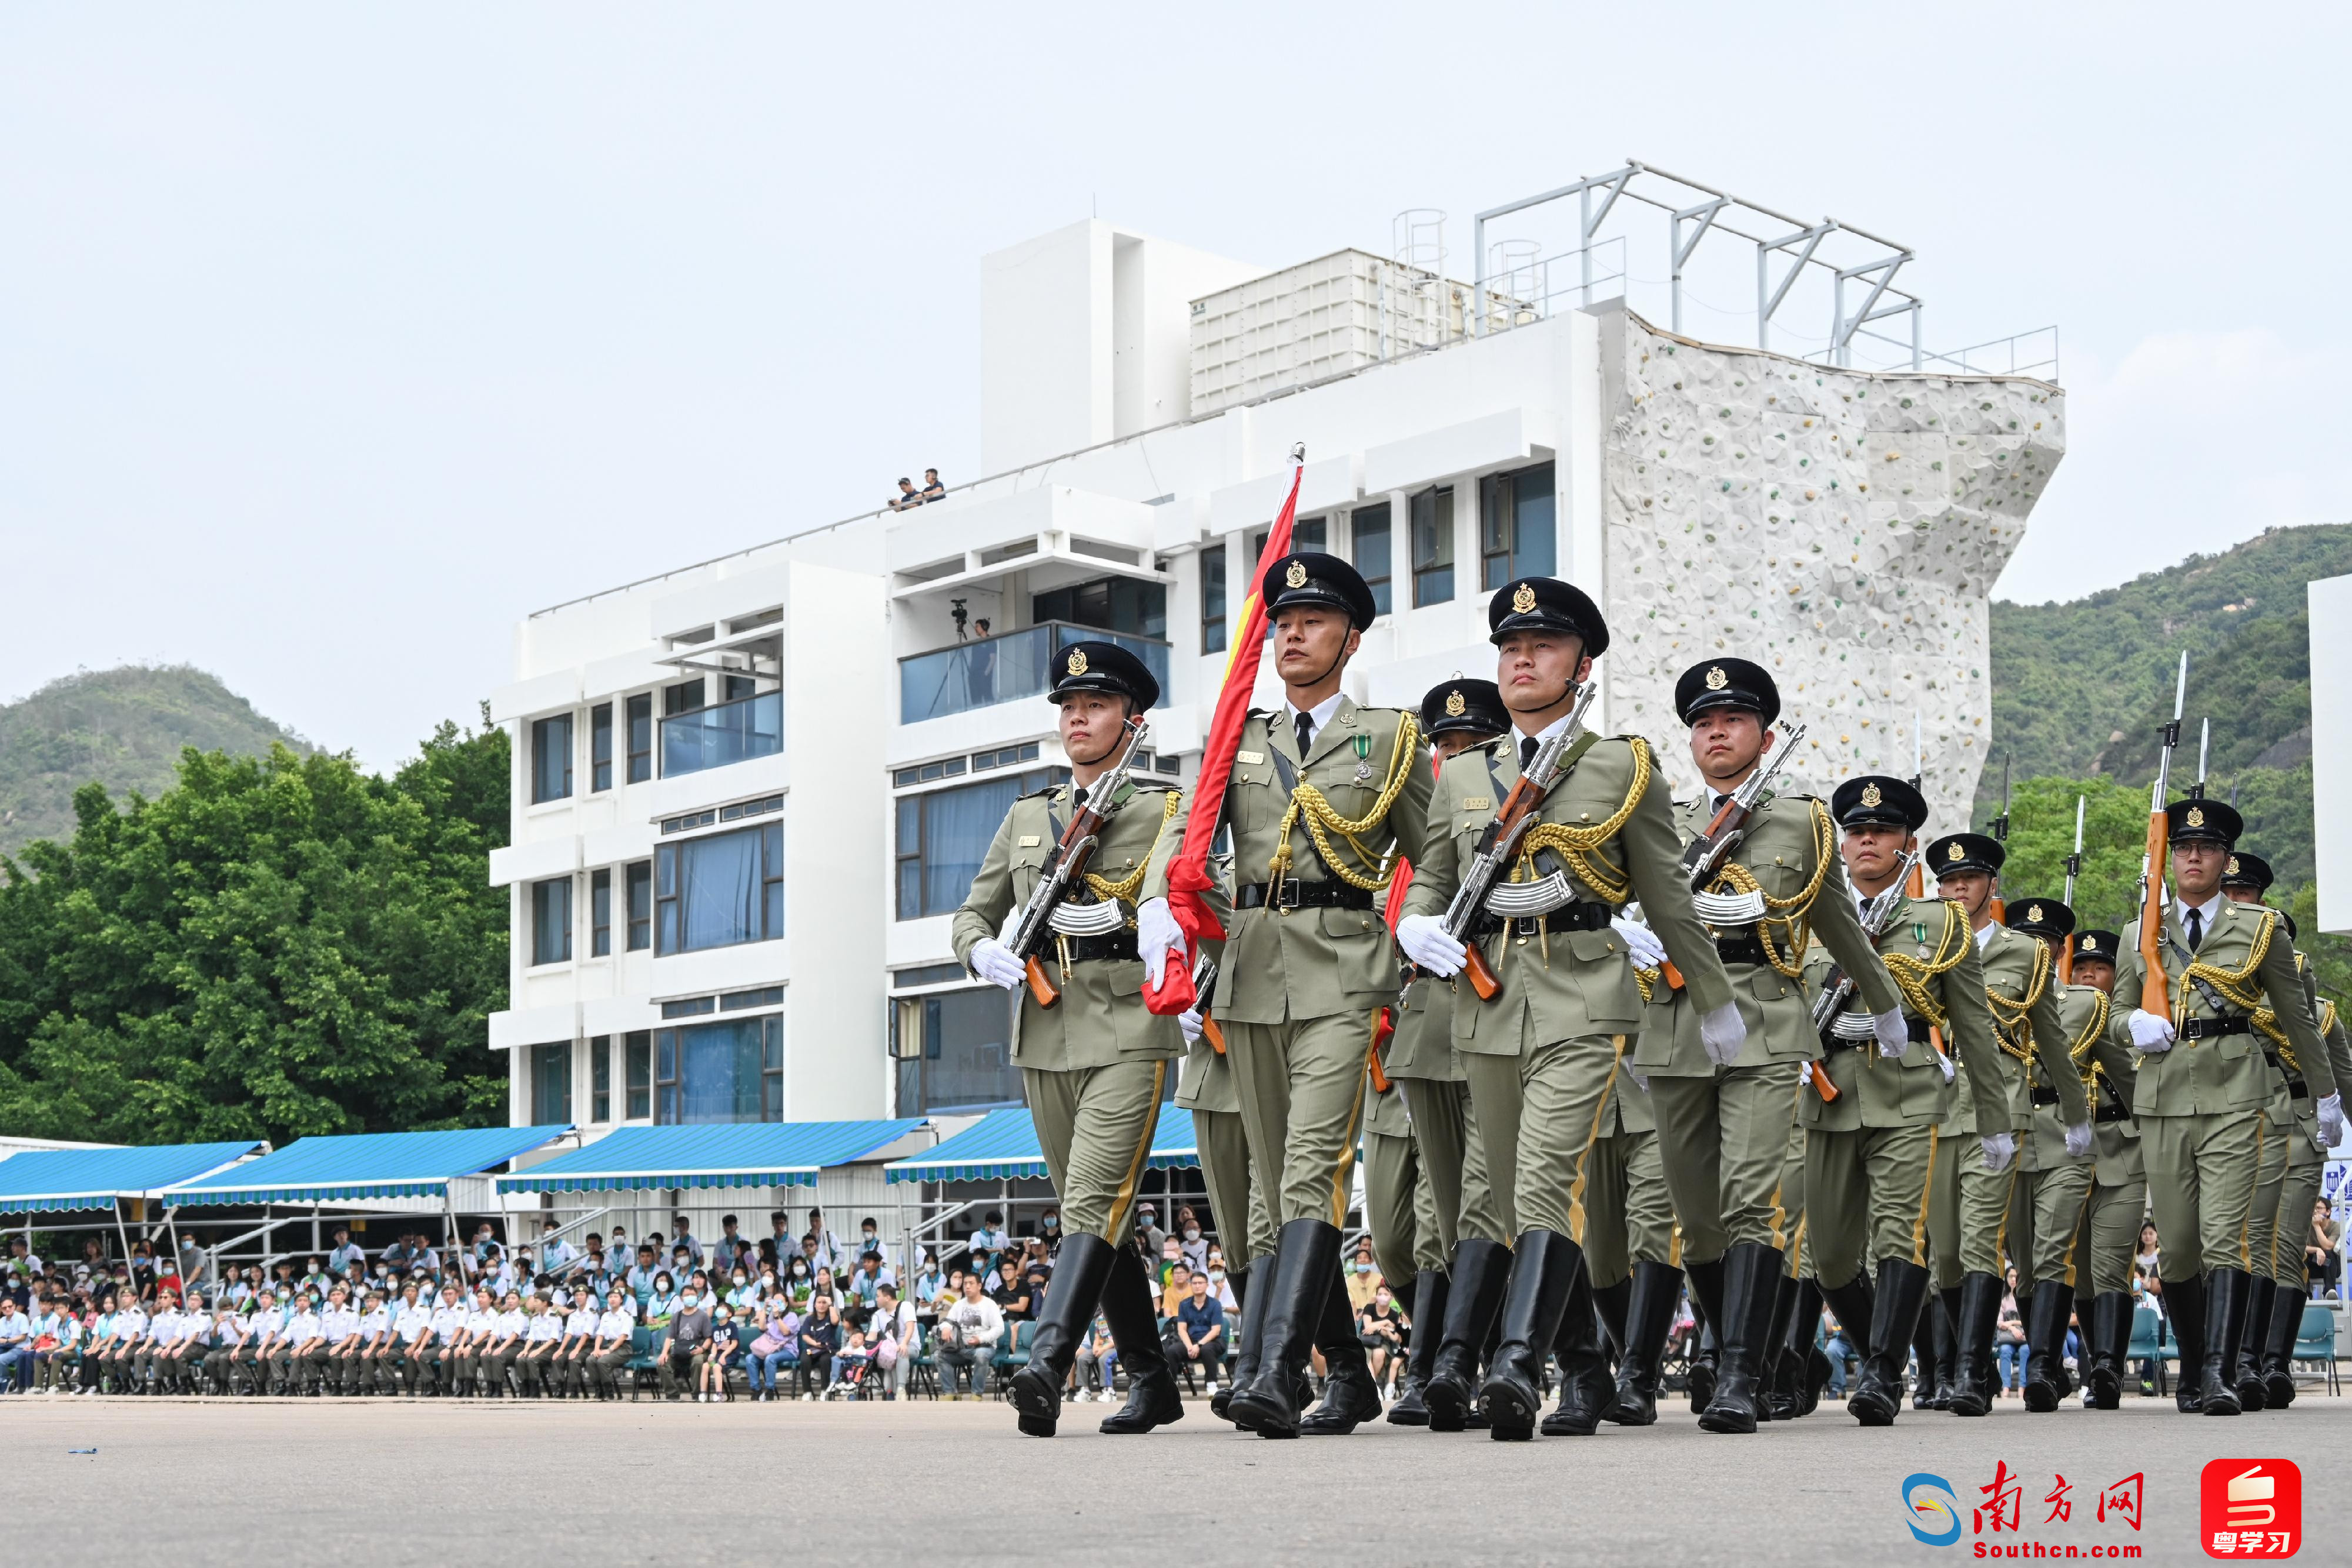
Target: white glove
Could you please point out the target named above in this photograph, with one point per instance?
(1189, 1022)
(1944, 1063)
(1894, 1034)
(2078, 1139)
(1999, 1148)
(2152, 1034)
(992, 961)
(1156, 935)
(1641, 944)
(2331, 1120)
(1641, 1078)
(1424, 941)
(1723, 1034)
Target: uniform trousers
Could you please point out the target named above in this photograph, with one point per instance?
(1967, 1215)
(1724, 1140)
(1539, 1116)
(2270, 1183)
(1392, 1181)
(2048, 1208)
(1301, 1087)
(1094, 1127)
(1789, 1233)
(2200, 1182)
(1866, 1198)
(1628, 1218)
(2106, 1247)
(1242, 1229)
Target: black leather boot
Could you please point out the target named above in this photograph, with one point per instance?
(1611, 1305)
(1979, 1315)
(1751, 1285)
(2278, 1347)
(1080, 1273)
(1586, 1388)
(1649, 1315)
(1776, 1392)
(1428, 1290)
(1133, 1318)
(1251, 1319)
(1350, 1397)
(1306, 1263)
(1544, 1265)
(2246, 1370)
(2108, 1341)
(1805, 1366)
(2045, 1341)
(1707, 1306)
(1878, 1394)
(2184, 1308)
(2226, 1291)
(1481, 1271)
(1943, 1313)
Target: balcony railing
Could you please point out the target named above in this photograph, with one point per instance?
(727, 732)
(1000, 669)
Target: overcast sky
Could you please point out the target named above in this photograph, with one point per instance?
(334, 340)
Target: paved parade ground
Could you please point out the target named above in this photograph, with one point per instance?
(587, 1483)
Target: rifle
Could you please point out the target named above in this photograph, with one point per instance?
(1067, 865)
(2073, 870)
(1205, 984)
(1705, 856)
(1500, 842)
(2156, 988)
(1876, 916)
(2000, 837)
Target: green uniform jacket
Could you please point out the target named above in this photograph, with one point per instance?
(2320, 1079)
(1781, 851)
(1571, 983)
(1315, 963)
(1100, 1020)
(1423, 1046)
(2083, 1022)
(2009, 960)
(2230, 1072)
(1909, 1090)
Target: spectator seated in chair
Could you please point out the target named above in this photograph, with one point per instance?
(969, 1332)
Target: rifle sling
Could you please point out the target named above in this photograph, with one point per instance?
(1496, 792)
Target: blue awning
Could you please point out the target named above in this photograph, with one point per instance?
(363, 1165)
(41, 1180)
(1002, 1146)
(743, 1154)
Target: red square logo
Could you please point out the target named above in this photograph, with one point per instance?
(2250, 1508)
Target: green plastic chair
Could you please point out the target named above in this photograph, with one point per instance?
(2317, 1342)
(2151, 1340)
(643, 1344)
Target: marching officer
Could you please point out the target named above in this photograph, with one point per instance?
(2107, 1241)
(1969, 1219)
(2204, 1081)
(1629, 1236)
(1095, 1065)
(1871, 1133)
(1323, 795)
(1725, 1124)
(1542, 1054)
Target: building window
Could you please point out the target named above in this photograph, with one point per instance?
(551, 758)
(1212, 597)
(599, 1078)
(1433, 547)
(1305, 534)
(551, 921)
(1108, 604)
(943, 835)
(1516, 536)
(731, 1070)
(1368, 535)
(684, 697)
(638, 1051)
(641, 905)
(600, 914)
(717, 891)
(599, 748)
(641, 737)
(954, 1048)
(550, 1084)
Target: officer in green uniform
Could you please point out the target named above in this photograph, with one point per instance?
(1095, 1065)
(2319, 1127)
(1968, 1221)
(1724, 1127)
(1629, 1230)
(1870, 1141)
(2204, 1081)
(1420, 1063)
(1323, 796)
(2052, 1198)
(2106, 1244)
(1799, 1369)
(1541, 1055)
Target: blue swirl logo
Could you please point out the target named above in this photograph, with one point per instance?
(1932, 1510)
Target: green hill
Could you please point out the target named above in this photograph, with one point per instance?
(122, 728)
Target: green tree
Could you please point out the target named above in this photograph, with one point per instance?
(271, 947)
(2041, 836)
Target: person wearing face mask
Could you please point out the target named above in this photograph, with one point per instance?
(1191, 1245)
(1049, 1229)
(689, 1334)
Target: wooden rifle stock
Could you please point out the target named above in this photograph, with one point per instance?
(1673, 975)
(2066, 962)
(1383, 1026)
(1822, 1084)
(1044, 989)
(1213, 1033)
(2156, 987)
(1483, 978)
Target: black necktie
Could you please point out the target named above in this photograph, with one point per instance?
(2196, 928)
(1526, 752)
(1306, 722)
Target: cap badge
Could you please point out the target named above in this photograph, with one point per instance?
(2090, 944)
(1958, 853)
(2233, 865)
(1524, 599)
(2034, 915)
(1455, 706)
(1715, 679)
(1870, 794)
(1077, 664)
(1297, 576)
(2196, 816)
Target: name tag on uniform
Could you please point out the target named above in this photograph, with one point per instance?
(1255, 758)
(1030, 841)
(1477, 803)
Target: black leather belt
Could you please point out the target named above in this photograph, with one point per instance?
(1112, 944)
(1743, 950)
(1305, 896)
(2296, 1089)
(2112, 1114)
(1579, 916)
(2045, 1096)
(2213, 1028)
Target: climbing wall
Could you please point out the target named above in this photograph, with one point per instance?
(1842, 529)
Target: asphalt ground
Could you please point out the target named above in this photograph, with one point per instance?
(199, 1482)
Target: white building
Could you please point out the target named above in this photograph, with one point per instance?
(747, 793)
